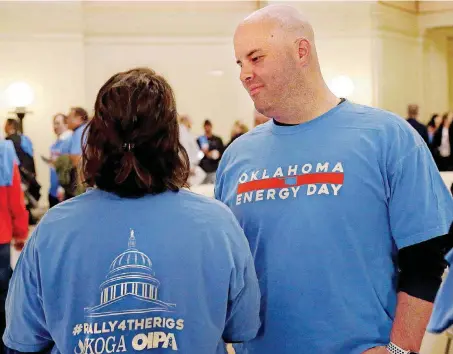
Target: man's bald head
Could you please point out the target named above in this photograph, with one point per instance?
(275, 49)
(281, 20)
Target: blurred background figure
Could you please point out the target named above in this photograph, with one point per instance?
(189, 141)
(185, 120)
(259, 118)
(77, 121)
(212, 148)
(67, 163)
(24, 151)
(412, 119)
(239, 128)
(63, 133)
(433, 124)
(443, 142)
(13, 218)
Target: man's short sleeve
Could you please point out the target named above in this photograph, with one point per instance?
(25, 320)
(420, 205)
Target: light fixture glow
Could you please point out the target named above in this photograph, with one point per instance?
(20, 94)
(341, 86)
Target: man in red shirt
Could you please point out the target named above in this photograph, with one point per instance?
(13, 217)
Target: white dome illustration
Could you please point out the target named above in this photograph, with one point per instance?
(130, 278)
(131, 257)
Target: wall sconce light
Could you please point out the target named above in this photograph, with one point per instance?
(20, 95)
(341, 86)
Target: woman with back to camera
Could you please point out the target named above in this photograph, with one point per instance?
(137, 262)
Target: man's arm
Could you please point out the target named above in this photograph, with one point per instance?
(411, 319)
(421, 267)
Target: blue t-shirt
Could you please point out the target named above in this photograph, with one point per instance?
(442, 316)
(26, 145)
(56, 150)
(325, 206)
(171, 272)
(7, 159)
(74, 143)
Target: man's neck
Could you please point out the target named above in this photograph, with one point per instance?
(306, 110)
(79, 125)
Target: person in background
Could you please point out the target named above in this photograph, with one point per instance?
(432, 126)
(60, 128)
(67, 164)
(185, 120)
(180, 275)
(259, 118)
(239, 129)
(13, 133)
(412, 119)
(443, 143)
(77, 121)
(345, 211)
(189, 142)
(24, 151)
(212, 148)
(13, 218)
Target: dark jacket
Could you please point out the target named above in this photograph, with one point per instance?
(420, 128)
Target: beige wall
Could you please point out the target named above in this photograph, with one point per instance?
(436, 90)
(55, 70)
(69, 53)
(66, 51)
(413, 65)
(450, 72)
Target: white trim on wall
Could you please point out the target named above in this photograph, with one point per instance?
(156, 40)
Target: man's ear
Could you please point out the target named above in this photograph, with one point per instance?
(304, 50)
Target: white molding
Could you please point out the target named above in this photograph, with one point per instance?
(383, 33)
(157, 40)
(24, 37)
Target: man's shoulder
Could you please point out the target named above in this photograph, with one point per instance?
(380, 119)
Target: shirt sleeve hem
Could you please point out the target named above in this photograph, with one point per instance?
(25, 348)
(243, 337)
(422, 236)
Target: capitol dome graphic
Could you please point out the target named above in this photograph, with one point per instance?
(130, 286)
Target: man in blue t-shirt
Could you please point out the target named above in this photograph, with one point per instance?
(60, 127)
(331, 195)
(77, 121)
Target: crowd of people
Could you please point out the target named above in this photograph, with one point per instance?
(437, 134)
(329, 231)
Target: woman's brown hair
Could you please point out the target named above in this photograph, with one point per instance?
(132, 143)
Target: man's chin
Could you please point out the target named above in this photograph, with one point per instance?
(264, 109)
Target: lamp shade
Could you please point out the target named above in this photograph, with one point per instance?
(20, 94)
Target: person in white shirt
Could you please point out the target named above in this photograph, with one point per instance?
(188, 140)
